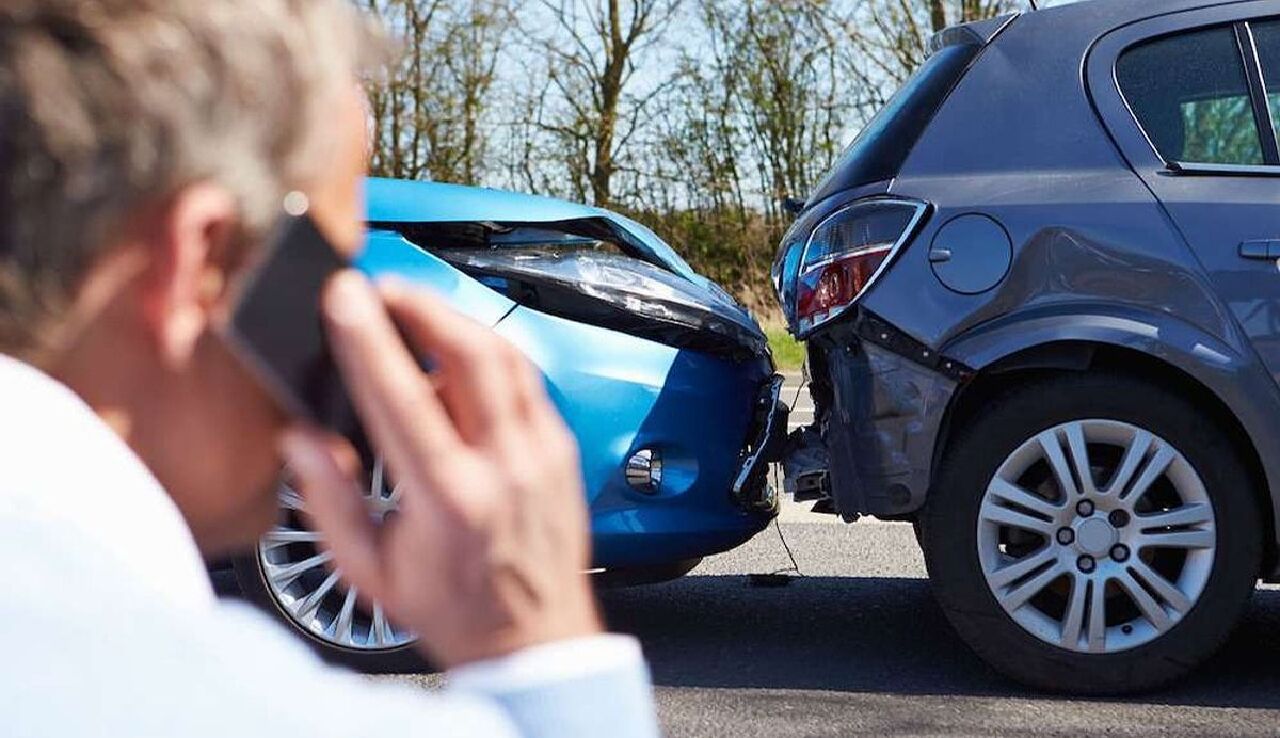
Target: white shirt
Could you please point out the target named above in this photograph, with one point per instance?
(109, 627)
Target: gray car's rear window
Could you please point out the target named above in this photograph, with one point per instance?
(878, 151)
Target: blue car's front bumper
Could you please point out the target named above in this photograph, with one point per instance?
(619, 393)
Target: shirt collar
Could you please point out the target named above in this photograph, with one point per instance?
(65, 468)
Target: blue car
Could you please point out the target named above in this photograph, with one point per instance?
(666, 381)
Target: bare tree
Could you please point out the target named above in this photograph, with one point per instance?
(429, 106)
(890, 38)
(398, 94)
(592, 56)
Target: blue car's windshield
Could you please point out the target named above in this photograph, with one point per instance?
(879, 150)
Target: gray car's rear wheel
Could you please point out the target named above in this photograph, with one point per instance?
(1092, 533)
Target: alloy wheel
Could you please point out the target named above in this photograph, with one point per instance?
(296, 568)
(1096, 536)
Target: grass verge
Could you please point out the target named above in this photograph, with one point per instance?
(788, 353)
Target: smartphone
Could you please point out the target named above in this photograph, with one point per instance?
(276, 328)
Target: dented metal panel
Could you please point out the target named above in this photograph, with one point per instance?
(885, 417)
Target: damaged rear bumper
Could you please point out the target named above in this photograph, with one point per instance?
(885, 399)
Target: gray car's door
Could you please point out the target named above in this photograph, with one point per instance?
(1195, 120)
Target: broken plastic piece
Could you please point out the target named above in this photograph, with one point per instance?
(805, 465)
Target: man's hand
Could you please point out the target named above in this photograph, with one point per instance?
(488, 551)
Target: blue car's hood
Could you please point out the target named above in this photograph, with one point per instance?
(401, 201)
(502, 238)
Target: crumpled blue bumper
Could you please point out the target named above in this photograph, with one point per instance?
(619, 394)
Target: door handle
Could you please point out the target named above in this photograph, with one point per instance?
(1268, 249)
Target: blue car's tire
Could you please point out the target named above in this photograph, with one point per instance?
(400, 660)
(290, 575)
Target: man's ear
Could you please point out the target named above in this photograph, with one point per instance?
(187, 272)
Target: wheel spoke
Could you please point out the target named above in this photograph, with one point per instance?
(1013, 494)
(284, 536)
(281, 576)
(1191, 539)
(1053, 453)
(290, 499)
(1151, 609)
(1022, 567)
(342, 623)
(1073, 621)
(1166, 590)
(303, 609)
(993, 513)
(379, 631)
(1014, 600)
(375, 481)
(1080, 458)
(1154, 469)
(1098, 616)
(1133, 456)
(1197, 513)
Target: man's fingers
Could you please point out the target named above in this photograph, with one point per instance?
(472, 363)
(398, 405)
(335, 506)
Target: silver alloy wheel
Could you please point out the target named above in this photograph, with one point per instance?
(314, 596)
(1096, 536)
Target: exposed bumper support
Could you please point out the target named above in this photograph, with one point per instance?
(751, 488)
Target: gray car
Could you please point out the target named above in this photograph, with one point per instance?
(1041, 299)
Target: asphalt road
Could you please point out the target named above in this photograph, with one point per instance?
(855, 645)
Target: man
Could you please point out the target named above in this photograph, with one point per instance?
(146, 147)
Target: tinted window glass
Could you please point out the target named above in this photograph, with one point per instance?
(879, 150)
(1267, 37)
(1191, 96)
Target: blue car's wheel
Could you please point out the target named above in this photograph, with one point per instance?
(291, 576)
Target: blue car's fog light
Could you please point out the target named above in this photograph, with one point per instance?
(644, 471)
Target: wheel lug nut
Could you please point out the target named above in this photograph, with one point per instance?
(1084, 508)
(1086, 564)
(1066, 536)
(1120, 552)
(1118, 518)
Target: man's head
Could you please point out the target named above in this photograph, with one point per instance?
(145, 149)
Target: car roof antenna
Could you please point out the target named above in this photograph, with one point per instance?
(1034, 4)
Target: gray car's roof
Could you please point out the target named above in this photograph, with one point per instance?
(1101, 16)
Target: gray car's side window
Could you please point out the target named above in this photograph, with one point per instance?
(1191, 95)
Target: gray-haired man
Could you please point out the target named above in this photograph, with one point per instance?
(145, 147)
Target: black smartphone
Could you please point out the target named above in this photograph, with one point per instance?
(276, 327)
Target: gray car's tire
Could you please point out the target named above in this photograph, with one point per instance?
(1017, 637)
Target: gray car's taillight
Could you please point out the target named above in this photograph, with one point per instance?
(846, 253)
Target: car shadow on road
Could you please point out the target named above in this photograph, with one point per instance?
(882, 635)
